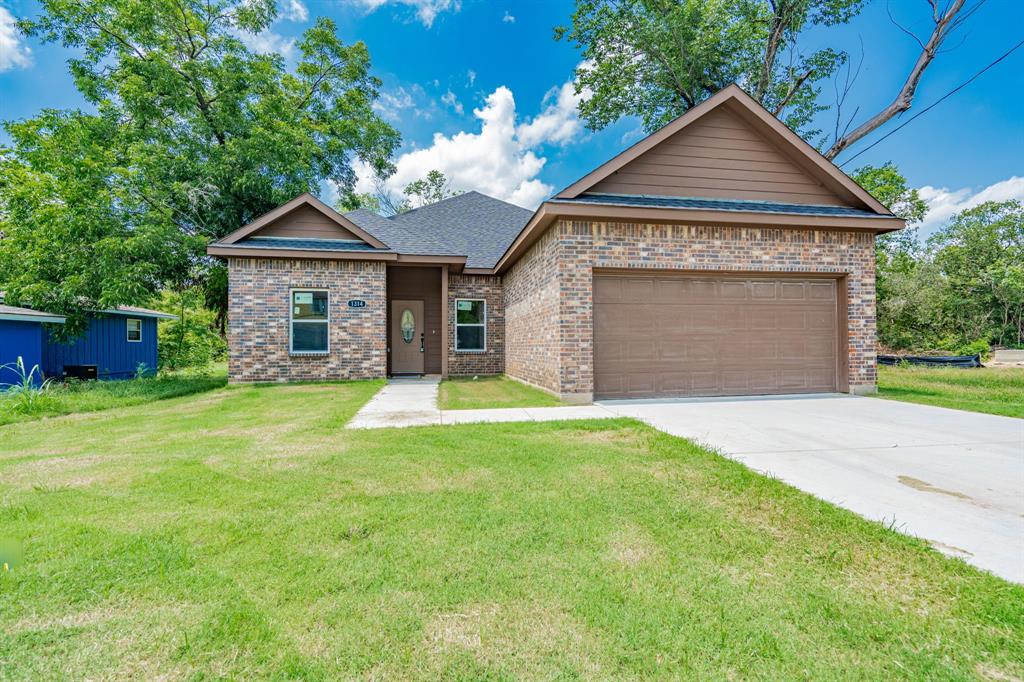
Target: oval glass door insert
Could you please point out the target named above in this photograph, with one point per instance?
(408, 325)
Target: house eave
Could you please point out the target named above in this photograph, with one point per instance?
(555, 209)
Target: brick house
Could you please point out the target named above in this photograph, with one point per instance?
(721, 255)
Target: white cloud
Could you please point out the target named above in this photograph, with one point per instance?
(492, 161)
(944, 203)
(559, 123)
(14, 53)
(451, 100)
(508, 18)
(294, 10)
(391, 103)
(426, 10)
(470, 78)
(267, 42)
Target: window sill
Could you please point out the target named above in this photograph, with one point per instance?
(308, 353)
(471, 352)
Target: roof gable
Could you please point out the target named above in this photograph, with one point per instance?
(303, 218)
(727, 147)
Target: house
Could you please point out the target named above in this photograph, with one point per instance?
(115, 345)
(721, 255)
(119, 343)
(21, 336)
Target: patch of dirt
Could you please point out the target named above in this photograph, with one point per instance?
(925, 486)
(528, 638)
(631, 546)
(989, 673)
(67, 620)
(951, 550)
(60, 472)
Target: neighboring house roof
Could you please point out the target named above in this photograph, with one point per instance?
(471, 224)
(139, 312)
(10, 312)
(718, 205)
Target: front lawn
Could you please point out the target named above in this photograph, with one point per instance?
(995, 390)
(242, 533)
(60, 398)
(466, 393)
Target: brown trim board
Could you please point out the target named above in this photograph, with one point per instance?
(553, 210)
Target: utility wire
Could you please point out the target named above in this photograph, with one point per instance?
(935, 103)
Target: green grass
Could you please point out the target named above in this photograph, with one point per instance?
(90, 396)
(489, 392)
(242, 533)
(987, 389)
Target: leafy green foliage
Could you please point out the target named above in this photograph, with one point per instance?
(657, 58)
(190, 135)
(981, 256)
(427, 190)
(192, 340)
(27, 391)
(73, 396)
(960, 292)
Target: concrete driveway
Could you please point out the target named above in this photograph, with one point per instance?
(953, 478)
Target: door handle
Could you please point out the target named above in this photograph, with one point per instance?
(421, 342)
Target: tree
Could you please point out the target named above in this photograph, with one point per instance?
(430, 189)
(656, 59)
(888, 185)
(905, 307)
(981, 254)
(190, 136)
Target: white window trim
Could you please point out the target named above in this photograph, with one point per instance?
(470, 324)
(291, 321)
(128, 332)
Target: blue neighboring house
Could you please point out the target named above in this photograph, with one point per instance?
(115, 345)
(22, 335)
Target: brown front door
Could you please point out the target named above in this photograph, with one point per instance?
(407, 337)
(670, 334)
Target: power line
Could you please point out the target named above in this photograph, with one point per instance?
(935, 103)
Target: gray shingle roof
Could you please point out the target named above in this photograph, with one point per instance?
(719, 205)
(11, 312)
(471, 224)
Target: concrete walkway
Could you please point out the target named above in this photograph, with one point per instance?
(403, 402)
(413, 402)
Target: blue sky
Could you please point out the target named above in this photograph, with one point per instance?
(481, 90)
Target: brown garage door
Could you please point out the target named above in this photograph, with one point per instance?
(673, 335)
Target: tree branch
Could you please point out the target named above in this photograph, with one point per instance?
(944, 24)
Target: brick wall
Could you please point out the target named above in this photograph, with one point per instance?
(532, 315)
(258, 319)
(492, 361)
(549, 299)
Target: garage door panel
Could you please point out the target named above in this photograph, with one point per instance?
(664, 334)
(763, 291)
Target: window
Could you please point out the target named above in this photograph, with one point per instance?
(134, 329)
(309, 321)
(470, 325)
